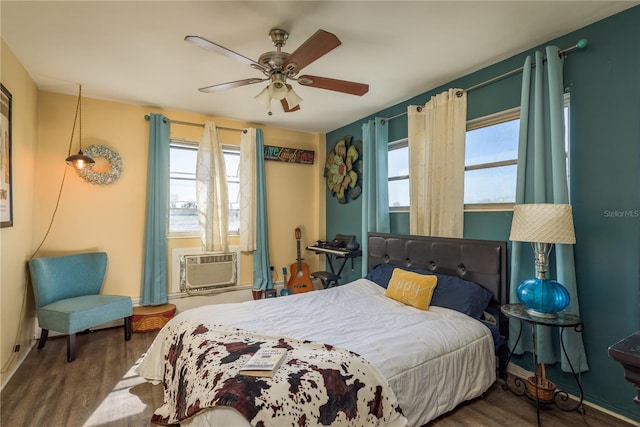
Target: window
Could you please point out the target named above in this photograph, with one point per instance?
(490, 164)
(398, 175)
(491, 160)
(183, 218)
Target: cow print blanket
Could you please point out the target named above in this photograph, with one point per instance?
(317, 384)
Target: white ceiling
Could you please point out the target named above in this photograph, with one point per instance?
(134, 51)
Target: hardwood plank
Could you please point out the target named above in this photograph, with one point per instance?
(100, 388)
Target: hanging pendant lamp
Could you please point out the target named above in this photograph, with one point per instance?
(80, 160)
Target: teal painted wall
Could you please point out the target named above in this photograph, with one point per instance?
(604, 81)
(345, 218)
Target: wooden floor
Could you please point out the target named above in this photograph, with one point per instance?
(100, 388)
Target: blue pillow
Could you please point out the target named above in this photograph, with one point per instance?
(381, 274)
(451, 292)
(495, 334)
(461, 295)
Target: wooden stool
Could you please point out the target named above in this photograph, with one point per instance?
(147, 318)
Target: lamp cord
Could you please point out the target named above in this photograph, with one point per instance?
(53, 215)
(75, 118)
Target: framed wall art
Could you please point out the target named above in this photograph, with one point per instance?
(6, 184)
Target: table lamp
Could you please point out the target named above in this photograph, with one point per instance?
(543, 225)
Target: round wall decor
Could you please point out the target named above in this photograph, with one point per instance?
(343, 169)
(107, 177)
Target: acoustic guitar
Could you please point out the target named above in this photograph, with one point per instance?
(300, 280)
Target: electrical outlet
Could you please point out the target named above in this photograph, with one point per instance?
(16, 348)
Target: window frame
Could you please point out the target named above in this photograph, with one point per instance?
(482, 122)
(192, 145)
(485, 121)
(505, 116)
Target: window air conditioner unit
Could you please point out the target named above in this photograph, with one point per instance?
(204, 273)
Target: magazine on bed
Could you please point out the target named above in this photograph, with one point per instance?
(264, 362)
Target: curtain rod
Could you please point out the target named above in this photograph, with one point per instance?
(179, 122)
(582, 44)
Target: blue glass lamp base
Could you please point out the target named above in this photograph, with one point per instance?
(543, 297)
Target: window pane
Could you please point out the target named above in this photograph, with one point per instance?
(182, 161)
(490, 185)
(182, 188)
(183, 192)
(232, 164)
(494, 143)
(399, 193)
(234, 194)
(234, 220)
(398, 164)
(182, 202)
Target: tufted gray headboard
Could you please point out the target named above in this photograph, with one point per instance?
(481, 261)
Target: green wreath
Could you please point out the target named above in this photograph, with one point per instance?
(102, 178)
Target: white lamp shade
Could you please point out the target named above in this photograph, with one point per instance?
(543, 223)
(278, 90)
(264, 97)
(293, 99)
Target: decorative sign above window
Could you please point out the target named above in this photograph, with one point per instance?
(343, 169)
(289, 155)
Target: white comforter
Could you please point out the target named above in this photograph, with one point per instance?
(433, 360)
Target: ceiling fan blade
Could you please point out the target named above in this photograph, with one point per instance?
(317, 45)
(214, 47)
(344, 86)
(285, 106)
(229, 85)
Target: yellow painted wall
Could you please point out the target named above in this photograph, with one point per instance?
(110, 218)
(292, 192)
(16, 243)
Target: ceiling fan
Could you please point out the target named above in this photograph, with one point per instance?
(281, 67)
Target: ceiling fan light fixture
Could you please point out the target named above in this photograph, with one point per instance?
(293, 99)
(279, 67)
(264, 98)
(278, 90)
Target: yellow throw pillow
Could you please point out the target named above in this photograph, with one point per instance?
(411, 288)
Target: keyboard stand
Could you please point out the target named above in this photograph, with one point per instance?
(331, 278)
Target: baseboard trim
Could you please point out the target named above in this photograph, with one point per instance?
(16, 364)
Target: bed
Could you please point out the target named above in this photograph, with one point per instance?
(358, 357)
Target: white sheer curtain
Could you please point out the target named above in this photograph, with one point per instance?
(211, 191)
(248, 219)
(436, 165)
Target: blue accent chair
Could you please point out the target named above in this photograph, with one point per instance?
(68, 299)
